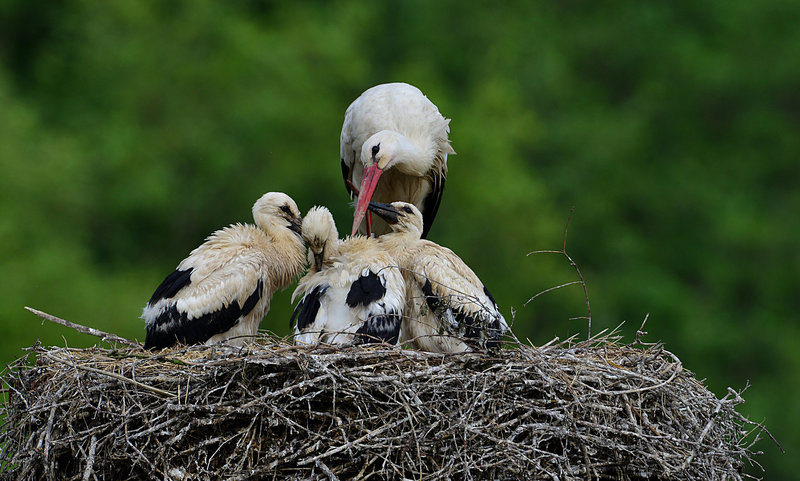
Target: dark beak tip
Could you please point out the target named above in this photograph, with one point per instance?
(386, 212)
(296, 227)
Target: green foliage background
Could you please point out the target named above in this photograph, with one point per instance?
(129, 130)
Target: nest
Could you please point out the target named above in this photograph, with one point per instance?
(591, 410)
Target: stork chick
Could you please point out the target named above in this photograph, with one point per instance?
(353, 291)
(223, 289)
(394, 133)
(448, 309)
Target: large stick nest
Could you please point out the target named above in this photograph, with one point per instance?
(592, 410)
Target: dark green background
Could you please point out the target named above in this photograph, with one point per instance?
(130, 130)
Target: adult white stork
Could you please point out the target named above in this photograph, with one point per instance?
(353, 291)
(394, 134)
(448, 309)
(223, 289)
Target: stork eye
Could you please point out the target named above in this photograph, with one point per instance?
(286, 209)
(376, 149)
(407, 210)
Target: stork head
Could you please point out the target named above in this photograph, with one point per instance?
(382, 151)
(401, 216)
(319, 232)
(277, 210)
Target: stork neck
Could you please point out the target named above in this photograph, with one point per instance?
(410, 159)
(399, 244)
(332, 249)
(279, 234)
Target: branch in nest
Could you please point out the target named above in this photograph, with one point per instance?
(105, 336)
(580, 280)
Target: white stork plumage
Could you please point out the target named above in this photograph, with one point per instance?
(448, 309)
(223, 289)
(394, 134)
(353, 291)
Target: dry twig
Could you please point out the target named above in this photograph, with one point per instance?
(105, 336)
(580, 280)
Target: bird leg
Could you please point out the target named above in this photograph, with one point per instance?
(369, 224)
(352, 187)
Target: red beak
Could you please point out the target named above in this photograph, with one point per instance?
(368, 183)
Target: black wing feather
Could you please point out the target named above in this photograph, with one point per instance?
(430, 206)
(296, 311)
(307, 309)
(494, 329)
(382, 328)
(434, 302)
(347, 176)
(489, 295)
(183, 330)
(173, 283)
(484, 330)
(366, 289)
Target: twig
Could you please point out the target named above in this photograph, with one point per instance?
(641, 333)
(123, 379)
(105, 336)
(581, 280)
(550, 289)
(352, 443)
(325, 469)
(90, 461)
(49, 433)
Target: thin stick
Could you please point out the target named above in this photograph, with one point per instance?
(349, 445)
(577, 269)
(581, 281)
(123, 379)
(325, 469)
(90, 461)
(550, 289)
(105, 336)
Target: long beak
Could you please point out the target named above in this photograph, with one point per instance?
(368, 184)
(385, 211)
(318, 259)
(296, 226)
